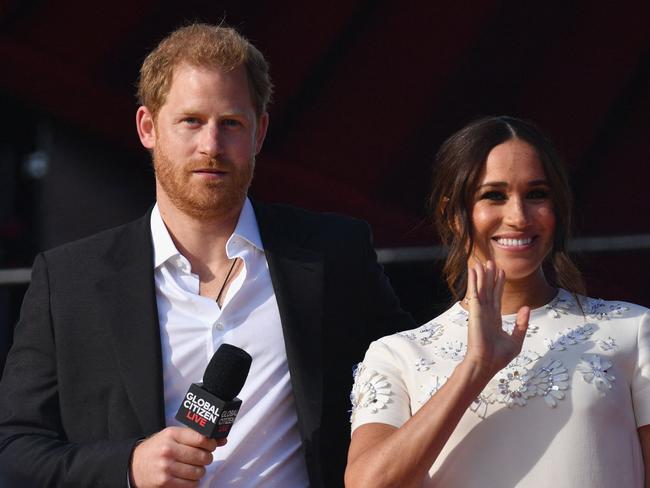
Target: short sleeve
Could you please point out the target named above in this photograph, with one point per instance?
(641, 379)
(379, 393)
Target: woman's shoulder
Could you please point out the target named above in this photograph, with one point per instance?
(599, 309)
(592, 309)
(413, 341)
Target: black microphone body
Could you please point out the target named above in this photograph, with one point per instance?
(210, 407)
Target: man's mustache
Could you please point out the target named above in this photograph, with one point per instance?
(217, 164)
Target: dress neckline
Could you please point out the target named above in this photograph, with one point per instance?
(563, 299)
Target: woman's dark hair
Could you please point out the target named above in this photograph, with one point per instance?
(458, 167)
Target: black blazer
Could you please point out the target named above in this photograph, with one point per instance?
(83, 380)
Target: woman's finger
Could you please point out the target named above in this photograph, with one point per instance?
(479, 290)
(521, 326)
(471, 294)
(471, 285)
(489, 281)
(498, 290)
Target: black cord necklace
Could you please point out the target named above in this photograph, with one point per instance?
(223, 285)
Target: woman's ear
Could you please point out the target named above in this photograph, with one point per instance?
(454, 221)
(442, 206)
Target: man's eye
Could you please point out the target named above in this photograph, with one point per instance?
(231, 122)
(493, 195)
(191, 120)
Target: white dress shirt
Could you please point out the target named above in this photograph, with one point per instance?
(264, 446)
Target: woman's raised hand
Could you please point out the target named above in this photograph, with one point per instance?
(488, 345)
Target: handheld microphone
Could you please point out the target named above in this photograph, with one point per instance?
(210, 407)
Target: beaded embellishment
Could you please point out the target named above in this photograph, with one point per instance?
(594, 369)
(425, 334)
(515, 384)
(518, 382)
(370, 390)
(598, 309)
(454, 350)
(560, 305)
(608, 344)
(423, 364)
(569, 337)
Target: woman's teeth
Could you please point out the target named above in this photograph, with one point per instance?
(514, 242)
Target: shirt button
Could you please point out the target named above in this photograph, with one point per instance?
(219, 325)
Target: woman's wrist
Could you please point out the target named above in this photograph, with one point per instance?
(476, 371)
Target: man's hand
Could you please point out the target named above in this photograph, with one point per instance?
(174, 457)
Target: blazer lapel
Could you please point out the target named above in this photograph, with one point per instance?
(128, 294)
(297, 277)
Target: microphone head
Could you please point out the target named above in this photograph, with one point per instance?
(227, 371)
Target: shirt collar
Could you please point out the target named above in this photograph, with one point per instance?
(164, 248)
(247, 227)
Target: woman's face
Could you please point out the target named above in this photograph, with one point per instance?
(513, 220)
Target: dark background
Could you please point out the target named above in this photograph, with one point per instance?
(365, 93)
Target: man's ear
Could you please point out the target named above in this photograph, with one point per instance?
(260, 131)
(144, 122)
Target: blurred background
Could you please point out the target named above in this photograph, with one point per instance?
(366, 91)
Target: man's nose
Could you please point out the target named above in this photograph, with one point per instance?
(210, 143)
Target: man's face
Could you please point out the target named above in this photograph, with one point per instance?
(204, 141)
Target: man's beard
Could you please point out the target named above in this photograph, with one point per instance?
(203, 198)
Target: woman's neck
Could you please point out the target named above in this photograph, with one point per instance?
(533, 291)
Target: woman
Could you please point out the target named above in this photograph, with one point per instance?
(554, 392)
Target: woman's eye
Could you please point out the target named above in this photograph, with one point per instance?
(493, 195)
(539, 194)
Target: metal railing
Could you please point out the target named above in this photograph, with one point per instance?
(579, 244)
(20, 276)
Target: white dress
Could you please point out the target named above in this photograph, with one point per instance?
(564, 413)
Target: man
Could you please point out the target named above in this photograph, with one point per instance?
(114, 328)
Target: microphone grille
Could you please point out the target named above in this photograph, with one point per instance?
(226, 372)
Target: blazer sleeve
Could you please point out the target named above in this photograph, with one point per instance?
(385, 314)
(34, 450)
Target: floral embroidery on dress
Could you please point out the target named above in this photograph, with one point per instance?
(522, 380)
(423, 364)
(549, 381)
(430, 332)
(408, 334)
(524, 358)
(515, 384)
(454, 350)
(594, 369)
(370, 390)
(509, 386)
(459, 317)
(560, 305)
(425, 334)
(598, 309)
(608, 344)
(479, 406)
(569, 337)
(512, 386)
(509, 325)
